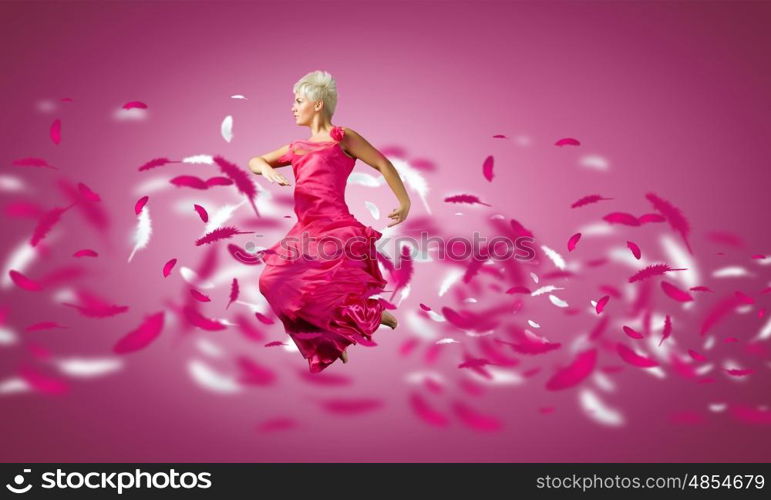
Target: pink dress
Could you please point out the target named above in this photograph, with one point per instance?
(319, 278)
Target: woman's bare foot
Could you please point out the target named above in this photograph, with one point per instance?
(344, 357)
(389, 320)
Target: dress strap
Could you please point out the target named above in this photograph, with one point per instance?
(337, 133)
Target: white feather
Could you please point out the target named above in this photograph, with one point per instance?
(534, 277)
(205, 159)
(764, 332)
(557, 301)
(373, 210)
(450, 279)
(596, 162)
(13, 385)
(367, 180)
(208, 347)
(7, 336)
(192, 277)
(678, 257)
(554, 256)
(151, 185)
(419, 326)
(18, 260)
(730, 272)
(226, 129)
(211, 379)
(436, 316)
(221, 216)
(237, 96)
(419, 377)
(11, 183)
(498, 376)
(414, 179)
(143, 231)
(598, 411)
(544, 289)
(94, 367)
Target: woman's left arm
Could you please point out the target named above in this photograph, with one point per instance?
(358, 147)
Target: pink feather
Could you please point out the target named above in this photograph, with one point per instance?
(622, 218)
(135, 104)
(56, 131)
(200, 297)
(573, 241)
(141, 337)
(23, 282)
(248, 329)
(46, 223)
(197, 319)
(651, 218)
(475, 420)
(233, 292)
(423, 410)
(168, 267)
(667, 329)
(201, 213)
(465, 198)
(190, 181)
(529, 343)
(254, 373)
(635, 249)
(403, 274)
(487, 168)
(633, 358)
(351, 406)
(601, 304)
(673, 214)
(44, 325)
(219, 234)
(156, 162)
(574, 373)
(567, 141)
(86, 252)
(95, 307)
(140, 204)
(652, 270)
(242, 180)
(675, 293)
(631, 332)
(218, 181)
(32, 162)
(586, 200)
(86, 193)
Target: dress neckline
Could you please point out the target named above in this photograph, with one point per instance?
(320, 142)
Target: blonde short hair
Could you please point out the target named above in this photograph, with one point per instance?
(318, 86)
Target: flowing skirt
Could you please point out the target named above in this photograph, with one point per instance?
(325, 304)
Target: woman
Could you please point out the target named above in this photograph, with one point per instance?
(319, 278)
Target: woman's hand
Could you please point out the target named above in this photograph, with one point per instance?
(399, 214)
(273, 176)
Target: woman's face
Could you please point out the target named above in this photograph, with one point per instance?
(303, 110)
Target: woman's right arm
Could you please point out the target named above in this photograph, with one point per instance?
(264, 165)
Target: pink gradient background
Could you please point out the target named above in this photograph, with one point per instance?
(675, 96)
